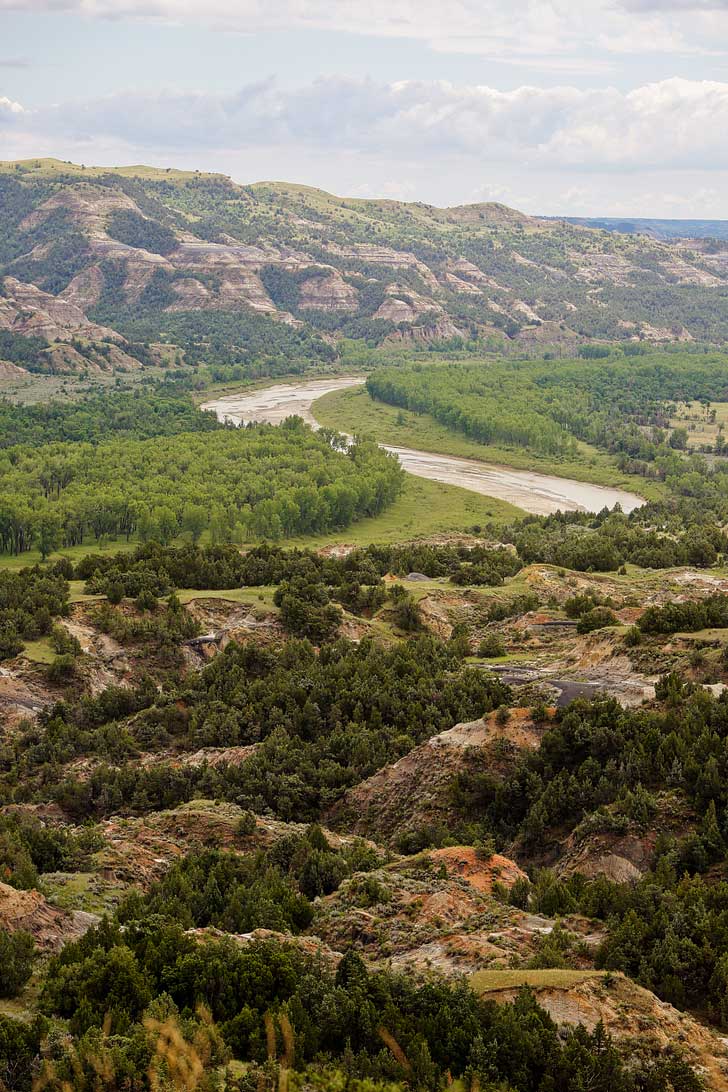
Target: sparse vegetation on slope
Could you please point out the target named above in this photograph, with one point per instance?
(238, 275)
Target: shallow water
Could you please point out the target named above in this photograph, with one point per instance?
(529, 490)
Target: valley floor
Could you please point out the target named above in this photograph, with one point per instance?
(352, 410)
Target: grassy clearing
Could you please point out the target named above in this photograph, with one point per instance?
(52, 168)
(489, 662)
(78, 595)
(39, 652)
(25, 1006)
(83, 891)
(487, 981)
(255, 597)
(420, 589)
(36, 388)
(713, 635)
(352, 410)
(73, 553)
(698, 420)
(423, 508)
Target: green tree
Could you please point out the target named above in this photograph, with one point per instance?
(48, 534)
(194, 520)
(679, 439)
(17, 955)
(165, 521)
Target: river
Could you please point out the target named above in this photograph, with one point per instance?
(539, 494)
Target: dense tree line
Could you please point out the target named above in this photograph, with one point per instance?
(29, 601)
(20, 1044)
(268, 889)
(166, 567)
(138, 414)
(606, 541)
(573, 540)
(140, 231)
(225, 891)
(597, 750)
(258, 481)
(29, 847)
(669, 933)
(690, 616)
(323, 721)
(27, 352)
(490, 405)
(17, 954)
(587, 543)
(387, 1026)
(544, 406)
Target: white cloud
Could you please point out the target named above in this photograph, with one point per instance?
(676, 123)
(675, 5)
(9, 109)
(658, 149)
(565, 32)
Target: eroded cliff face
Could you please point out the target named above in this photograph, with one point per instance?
(74, 342)
(380, 269)
(26, 310)
(329, 292)
(416, 790)
(87, 204)
(49, 926)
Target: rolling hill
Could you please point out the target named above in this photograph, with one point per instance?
(102, 269)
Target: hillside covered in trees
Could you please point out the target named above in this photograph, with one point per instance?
(112, 269)
(179, 805)
(295, 797)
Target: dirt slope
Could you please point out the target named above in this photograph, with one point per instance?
(414, 791)
(632, 1015)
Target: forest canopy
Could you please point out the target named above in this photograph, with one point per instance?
(259, 481)
(138, 414)
(545, 406)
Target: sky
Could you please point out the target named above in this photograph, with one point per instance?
(559, 107)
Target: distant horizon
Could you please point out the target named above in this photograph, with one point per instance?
(617, 108)
(414, 200)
